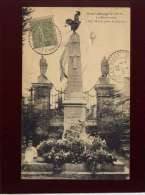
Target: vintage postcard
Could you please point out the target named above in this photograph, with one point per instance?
(75, 93)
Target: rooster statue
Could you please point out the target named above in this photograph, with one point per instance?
(74, 24)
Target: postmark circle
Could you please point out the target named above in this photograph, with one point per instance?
(119, 65)
(42, 48)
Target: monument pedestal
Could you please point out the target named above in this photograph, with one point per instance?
(74, 103)
(74, 112)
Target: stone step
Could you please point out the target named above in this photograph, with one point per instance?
(124, 141)
(76, 175)
(37, 167)
(127, 137)
(126, 148)
(70, 167)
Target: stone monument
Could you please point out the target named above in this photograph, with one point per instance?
(104, 92)
(74, 103)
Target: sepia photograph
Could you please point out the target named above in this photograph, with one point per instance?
(75, 119)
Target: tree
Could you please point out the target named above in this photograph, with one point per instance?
(26, 17)
(115, 121)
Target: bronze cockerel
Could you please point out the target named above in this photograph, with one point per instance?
(74, 24)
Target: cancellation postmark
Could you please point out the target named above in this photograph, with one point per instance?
(44, 36)
(119, 64)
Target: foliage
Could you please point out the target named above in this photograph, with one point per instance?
(70, 151)
(114, 127)
(26, 17)
(59, 152)
(98, 154)
(115, 130)
(30, 128)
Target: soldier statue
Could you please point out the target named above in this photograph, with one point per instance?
(105, 67)
(43, 69)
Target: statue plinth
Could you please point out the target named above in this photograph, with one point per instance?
(74, 103)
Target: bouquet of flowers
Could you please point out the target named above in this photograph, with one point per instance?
(58, 152)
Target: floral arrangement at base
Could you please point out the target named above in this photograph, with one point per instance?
(94, 153)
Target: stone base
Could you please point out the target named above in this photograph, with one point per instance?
(75, 176)
(69, 167)
(116, 171)
(37, 167)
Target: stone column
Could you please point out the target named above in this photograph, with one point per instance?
(74, 103)
(42, 91)
(104, 94)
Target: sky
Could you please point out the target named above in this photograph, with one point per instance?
(111, 30)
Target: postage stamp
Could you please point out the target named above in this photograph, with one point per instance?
(44, 36)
